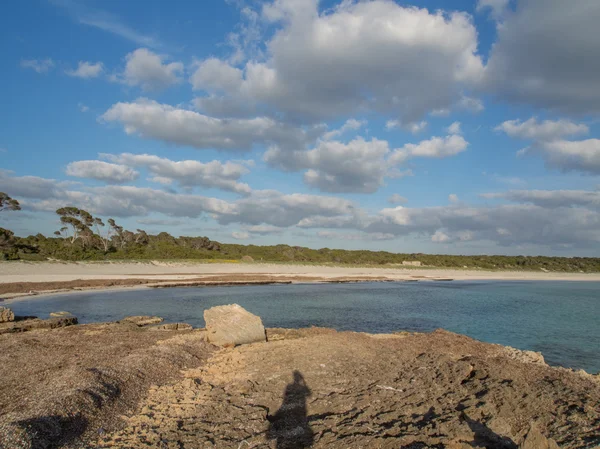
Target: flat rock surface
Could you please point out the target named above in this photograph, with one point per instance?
(142, 320)
(62, 387)
(233, 325)
(323, 389)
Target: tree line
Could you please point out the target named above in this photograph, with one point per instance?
(85, 237)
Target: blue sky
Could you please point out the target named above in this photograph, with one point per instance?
(403, 126)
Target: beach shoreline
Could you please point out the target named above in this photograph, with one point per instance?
(26, 279)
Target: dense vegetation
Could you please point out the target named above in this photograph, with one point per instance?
(84, 237)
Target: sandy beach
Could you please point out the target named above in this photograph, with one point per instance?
(31, 278)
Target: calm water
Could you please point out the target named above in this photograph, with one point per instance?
(560, 319)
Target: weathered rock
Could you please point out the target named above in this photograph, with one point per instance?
(232, 325)
(6, 315)
(171, 327)
(61, 314)
(535, 440)
(142, 320)
(35, 324)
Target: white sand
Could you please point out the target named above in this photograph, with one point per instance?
(57, 271)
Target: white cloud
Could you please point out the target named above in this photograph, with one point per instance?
(470, 104)
(360, 165)
(102, 171)
(38, 65)
(440, 237)
(147, 69)
(160, 222)
(189, 173)
(436, 147)
(453, 198)
(551, 198)
(82, 107)
(240, 235)
(102, 20)
(542, 131)
(373, 55)
(497, 7)
(397, 199)
(504, 225)
(363, 236)
(264, 229)
(350, 125)
(454, 128)
(543, 219)
(30, 186)
(86, 70)
(153, 120)
(333, 166)
(583, 155)
(565, 155)
(543, 56)
(277, 209)
(413, 127)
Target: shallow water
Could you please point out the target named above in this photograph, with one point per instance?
(560, 319)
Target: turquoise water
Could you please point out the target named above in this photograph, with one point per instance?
(559, 319)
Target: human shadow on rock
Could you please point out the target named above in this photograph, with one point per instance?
(289, 425)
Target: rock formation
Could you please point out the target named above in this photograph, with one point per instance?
(142, 320)
(6, 315)
(233, 325)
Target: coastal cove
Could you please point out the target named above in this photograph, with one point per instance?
(557, 318)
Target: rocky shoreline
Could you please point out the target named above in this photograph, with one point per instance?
(139, 382)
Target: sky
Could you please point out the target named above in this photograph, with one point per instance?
(464, 127)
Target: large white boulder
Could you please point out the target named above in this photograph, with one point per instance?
(232, 325)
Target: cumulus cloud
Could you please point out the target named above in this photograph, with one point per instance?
(264, 229)
(546, 219)
(102, 171)
(505, 225)
(373, 55)
(277, 209)
(583, 155)
(546, 130)
(362, 236)
(333, 166)
(149, 70)
(38, 65)
(188, 173)
(350, 125)
(30, 186)
(160, 222)
(86, 70)
(240, 235)
(497, 8)
(548, 142)
(454, 128)
(359, 166)
(153, 120)
(413, 127)
(529, 64)
(436, 147)
(397, 199)
(551, 198)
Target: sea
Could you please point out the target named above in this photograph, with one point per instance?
(559, 319)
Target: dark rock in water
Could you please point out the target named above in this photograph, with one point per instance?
(61, 314)
(6, 315)
(535, 440)
(232, 325)
(35, 324)
(142, 320)
(171, 327)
